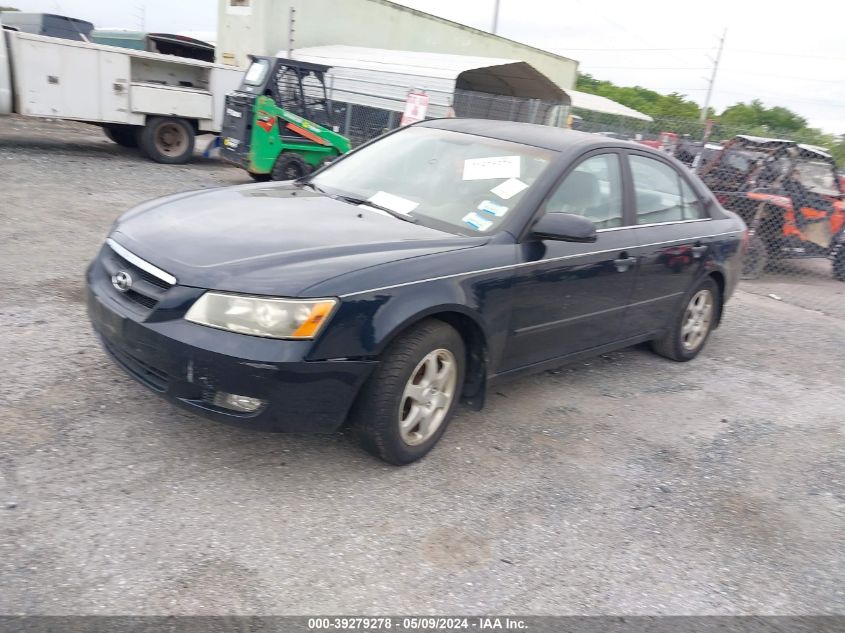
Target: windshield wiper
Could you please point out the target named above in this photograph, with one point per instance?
(378, 207)
(312, 186)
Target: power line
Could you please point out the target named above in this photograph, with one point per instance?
(613, 50)
(748, 50)
(779, 76)
(702, 48)
(653, 67)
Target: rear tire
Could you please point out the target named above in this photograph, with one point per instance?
(289, 166)
(167, 140)
(691, 327)
(405, 406)
(123, 135)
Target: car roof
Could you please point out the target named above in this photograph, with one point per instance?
(544, 136)
(814, 149)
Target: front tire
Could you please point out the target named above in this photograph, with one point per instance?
(259, 177)
(405, 406)
(289, 166)
(123, 135)
(692, 325)
(167, 140)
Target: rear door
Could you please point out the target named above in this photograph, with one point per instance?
(570, 297)
(673, 231)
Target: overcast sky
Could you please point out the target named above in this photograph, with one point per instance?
(784, 53)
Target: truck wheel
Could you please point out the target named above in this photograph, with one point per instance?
(289, 166)
(123, 135)
(167, 140)
(404, 407)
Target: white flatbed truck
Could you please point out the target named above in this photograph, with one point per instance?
(157, 103)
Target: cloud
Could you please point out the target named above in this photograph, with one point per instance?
(788, 58)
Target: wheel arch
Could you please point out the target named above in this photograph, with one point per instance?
(719, 277)
(475, 338)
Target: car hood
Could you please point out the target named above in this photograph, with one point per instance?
(275, 239)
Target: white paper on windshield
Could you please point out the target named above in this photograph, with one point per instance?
(394, 203)
(509, 188)
(493, 167)
(477, 222)
(492, 208)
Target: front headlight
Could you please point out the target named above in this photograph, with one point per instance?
(261, 316)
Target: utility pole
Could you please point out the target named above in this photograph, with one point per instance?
(495, 17)
(712, 79)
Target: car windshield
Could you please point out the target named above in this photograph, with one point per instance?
(817, 176)
(742, 160)
(456, 182)
(257, 71)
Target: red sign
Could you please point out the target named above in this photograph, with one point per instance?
(416, 106)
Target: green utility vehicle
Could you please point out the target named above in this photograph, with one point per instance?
(277, 125)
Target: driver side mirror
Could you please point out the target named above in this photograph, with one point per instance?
(564, 227)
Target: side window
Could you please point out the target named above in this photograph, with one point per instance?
(693, 207)
(593, 190)
(657, 191)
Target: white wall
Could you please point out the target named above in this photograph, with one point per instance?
(261, 27)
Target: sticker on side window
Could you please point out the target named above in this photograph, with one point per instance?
(492, 208)
(493, 167)
(394, 203)
(509, 188)
(477, 222)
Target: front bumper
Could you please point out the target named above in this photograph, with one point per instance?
(189, 363)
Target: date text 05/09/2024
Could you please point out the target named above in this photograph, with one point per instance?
(424, 623)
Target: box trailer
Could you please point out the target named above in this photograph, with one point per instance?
(155, 102)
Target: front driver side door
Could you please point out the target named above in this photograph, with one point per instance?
(570, 297)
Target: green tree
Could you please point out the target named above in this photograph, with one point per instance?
(2, 8)
(675, 112)
(755, 114)
(671, 106)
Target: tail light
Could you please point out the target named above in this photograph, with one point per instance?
(746, 238)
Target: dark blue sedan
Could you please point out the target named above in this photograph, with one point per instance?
(412, 273)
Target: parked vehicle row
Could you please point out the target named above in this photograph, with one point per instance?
(788, 194)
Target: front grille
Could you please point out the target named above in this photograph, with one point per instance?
(137, 297)
(153, 377)
(142, 274)
(146, 291)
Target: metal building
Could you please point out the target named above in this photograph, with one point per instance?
(263, 27)
(380, 50)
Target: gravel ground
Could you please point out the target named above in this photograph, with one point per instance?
(623, 485)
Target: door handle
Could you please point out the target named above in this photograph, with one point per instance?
(698, 250)
(624, 262)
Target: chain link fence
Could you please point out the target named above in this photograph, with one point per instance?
(788, 192)
(360, 123)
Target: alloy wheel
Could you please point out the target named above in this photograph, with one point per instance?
(427, 396)
(697, 319)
